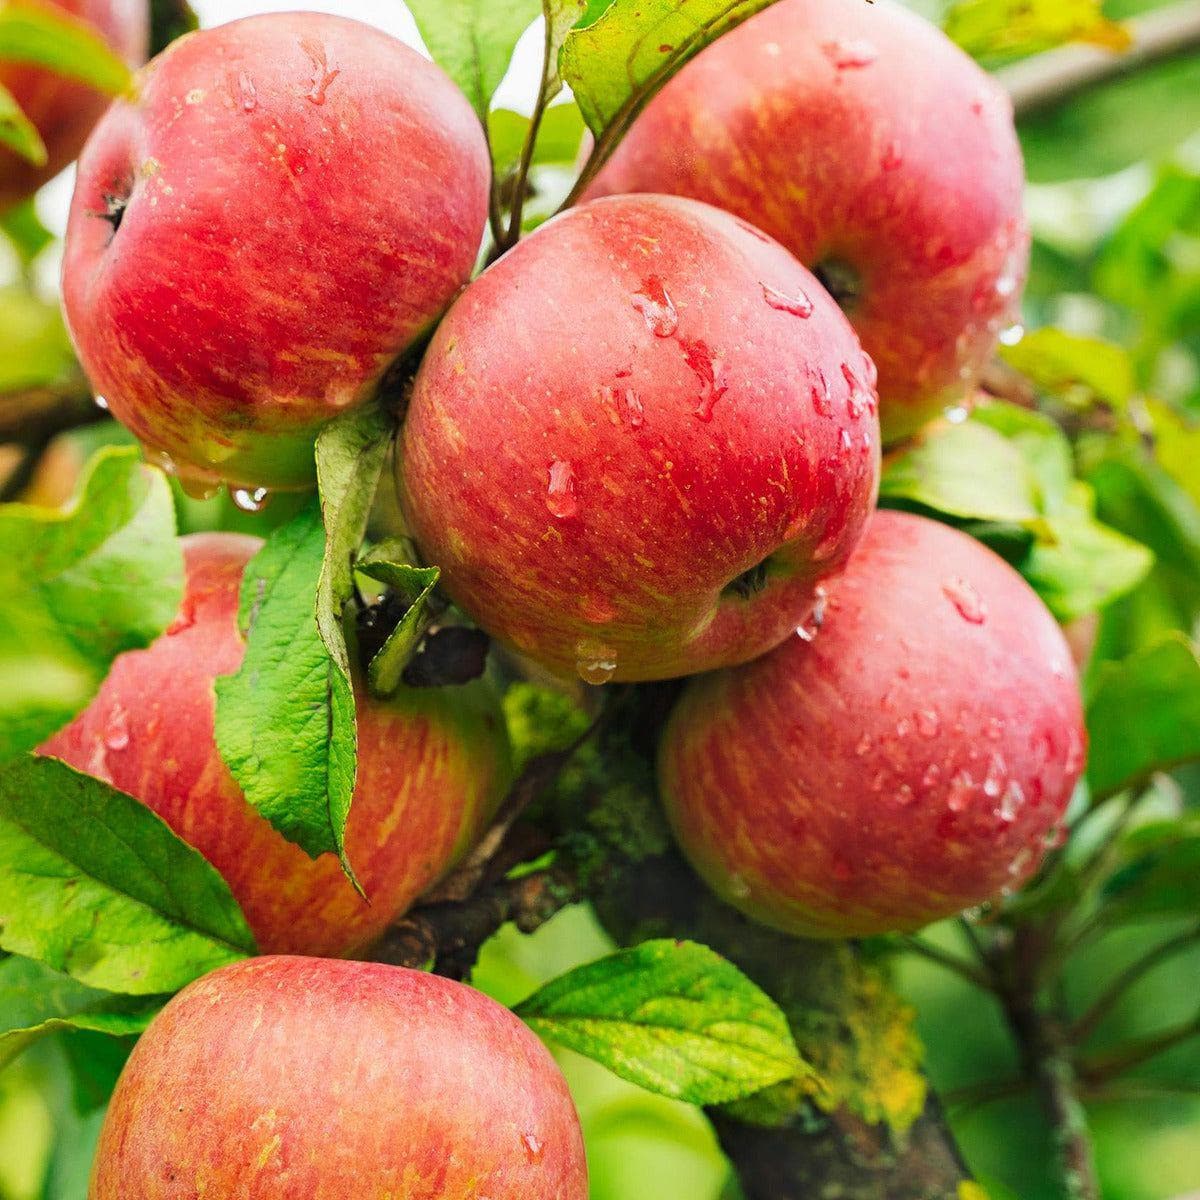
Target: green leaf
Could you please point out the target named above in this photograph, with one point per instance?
(170, 19)
(968, 471)
(18, 132)
(616, 64)
(991, 29)
(77, 588)
(560, 136)
(34, 348)
(387, 563)
(672, 1017)
(28, 236)
(1144, 715)
(1079, 370)
(473, 41)
(94, 884)
(283, 716)
(33, 31)
(1104, 129)
(36, 1001)
(1158, 872)
(1042, 444)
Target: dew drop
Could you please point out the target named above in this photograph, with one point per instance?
(857, 402)
(956, 414)
(1012, 335)
(822, 401)
(248, 92)
(533, 1147)
(993, 782)
(560, 494)
(1010, 802)
(969, 603)
(710, 371)
(849, 54)
(864, 746)
(933, 774)
(657, 308)
(877, 784)
(903, 728)
(928, 724)
(1020, 864)
(323, 76)
(595, 662)
(961, 789)
(904, 795)
(198, 488)
(808, 631)
(798, 305)
(634, 409)
(116, 729)
(101, 403)
(250, 500)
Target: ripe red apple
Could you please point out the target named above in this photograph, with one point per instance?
(639, 442)
(289, 201)
(911, 761)
(432, 766)
(64, 110)
(881, 156)
(281, 1078)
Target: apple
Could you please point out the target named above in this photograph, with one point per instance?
(433, 765)
(280, 1078)
(881, 156)
(913, 760)
(639, 442)
(63, 109)
(286, 205)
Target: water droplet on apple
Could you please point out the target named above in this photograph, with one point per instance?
(657, 308)
(816, 618)
(101, 403)
(533, 1147)
(248, 92)
(968, 602)
(1011, 802)
(595, 662)
(1012, 335)
(864, 746)
(877, 784)
(198, 488)
(634, 409)
(962, 787)
(850, 53)
(904, 795)
(1075, 753)
(323, 75)
(798, 305)
(1020, 864)
(250, 500)
(956, 414)
(993, 782)
(857, 400)
(893, 157)
(710, 371)
(822, 401)
(928, 723)
(116, 729)
(933, 774)
(560, 494)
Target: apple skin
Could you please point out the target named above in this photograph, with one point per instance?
(902, 165)
(591, 487)
(279, 1078)
(291, 200)
(64, 110)
(433, 765)
(914, 760)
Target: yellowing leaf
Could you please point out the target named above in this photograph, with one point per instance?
(1010, 28)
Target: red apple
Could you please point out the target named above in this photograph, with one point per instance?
(880, 155)
(64, 110)
(282, 1078)
(911, 761)
(288, 203)
(432, 766)
(639, 442)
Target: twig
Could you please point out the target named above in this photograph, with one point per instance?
(35, 414)
(1086, 1025)
(1050, 79)
(21, 476)
(974, 1094)
(960, 966)
(1104, 1067)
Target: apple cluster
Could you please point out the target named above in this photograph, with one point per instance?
(643, 444)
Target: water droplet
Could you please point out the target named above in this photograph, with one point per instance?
(533, 1147)
(904, 795)
(995, 729)
(816, 618)
(878, 782)
(1020, 864)
(864, 745)
(798, 305)
(1010, 802)
(248, 92)
(848, 54)
(903, 728)
(962, 787)
(928, 724)
(710, 371)
(1055, 837)
(323, 75)
(956, 414)
(845, 441)
(657, 308)
(969, 603)
(933, 773)
(893, 157)
(198, 488)
(195, 96)
(595, 662)
(101, 403)
(821, 399)
(250, 500)
(1012, 335)
(116, 729)
(1075, 753)
(560, 494)
(871, 371)
(994, 780)
(857, 401)
(634, 409)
